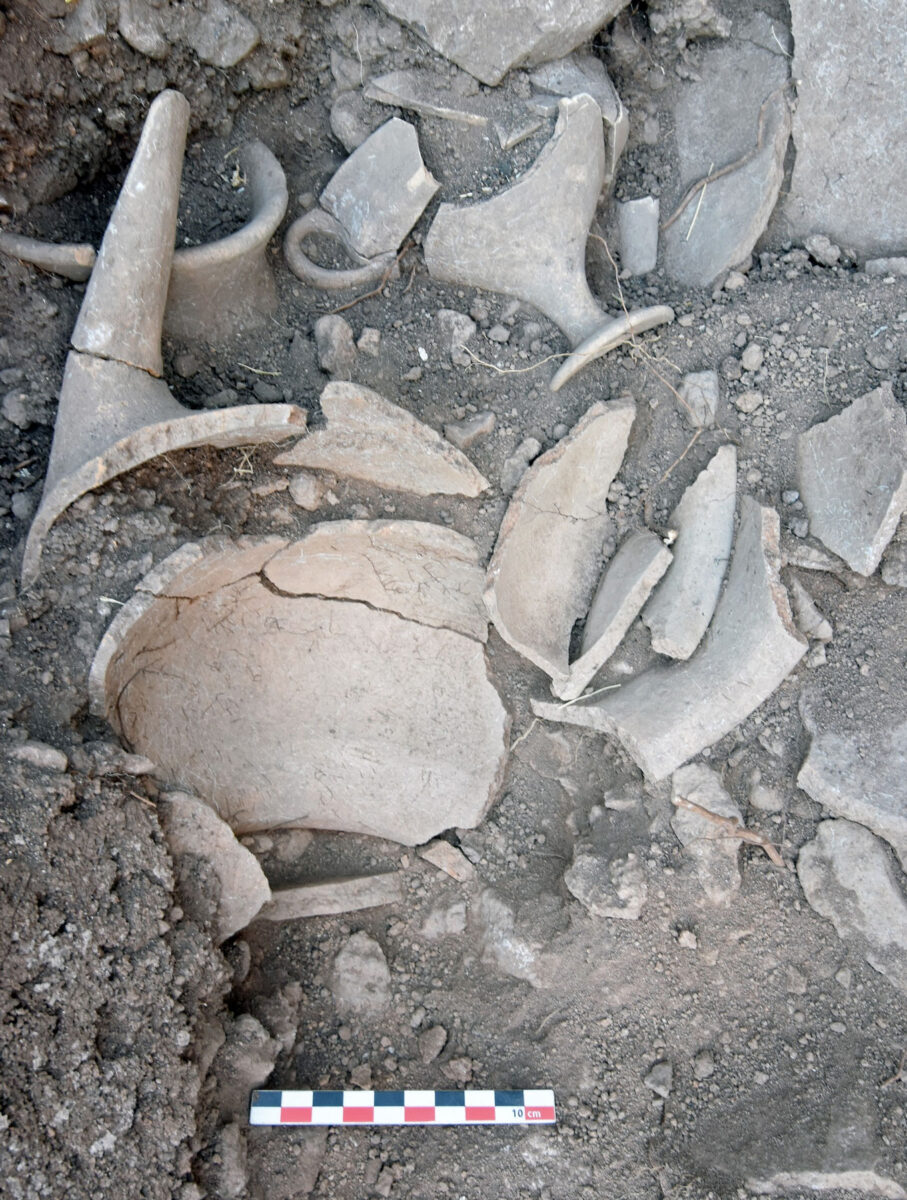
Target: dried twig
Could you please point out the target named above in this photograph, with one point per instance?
(699, 204)
(900, 1075)
(376, 291)
(513, 370)
(732, 828)
(258, 370)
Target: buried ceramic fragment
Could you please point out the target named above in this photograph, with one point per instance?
(850, 879)
(637, 235)
(732, 123)
(488, 39)
(680, 610)
(195, 831)
(301, 710)
(428, 94)
(216, 290)
(424, 572)
(227, 286)
(624, 588)
(372, 202)
(861, 774)
(546, 561)
(113, 412)
(333, 896)
(853, 478)
(584, 74)
(123, 309)
(530, 241)
(369, 438)
(67, 259)
(669, 713)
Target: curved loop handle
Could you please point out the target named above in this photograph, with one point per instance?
(370, 270)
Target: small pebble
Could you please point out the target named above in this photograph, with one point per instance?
(306, 490)
(748, 401)
(369, 341)
(704, 1064)
(687, 939)
(463, 434)
(660, 1079)
(752, 357)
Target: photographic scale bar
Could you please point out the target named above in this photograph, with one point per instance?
(472, 1107)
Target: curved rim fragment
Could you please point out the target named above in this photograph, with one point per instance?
(247, 423)
(221, 287)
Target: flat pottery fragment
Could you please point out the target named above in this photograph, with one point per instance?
(530, 241)
(736, 113)
(849, 174)
(623, 590)
(715, 855)
(302, 710)
(333, 896)
(849, 878)
(853, 478)
(545, 564)
(369, 206)
(381, 190)
(423, 572)
(428, 94)
(679, 612)
(862, 776)
(667, 714)
(487, 40)
(369, 438)
(584, 74)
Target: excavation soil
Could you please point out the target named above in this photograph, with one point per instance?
(785, 1045)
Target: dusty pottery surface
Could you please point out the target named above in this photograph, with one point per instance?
(680, 610)
(488, 45)
(544, 567)
(410, 733)
(372, 439)
(668, 714)
(622, 591)
(843, 87)
(853, 476)
(781, 1044)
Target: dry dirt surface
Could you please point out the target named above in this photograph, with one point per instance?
(697, 1049)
